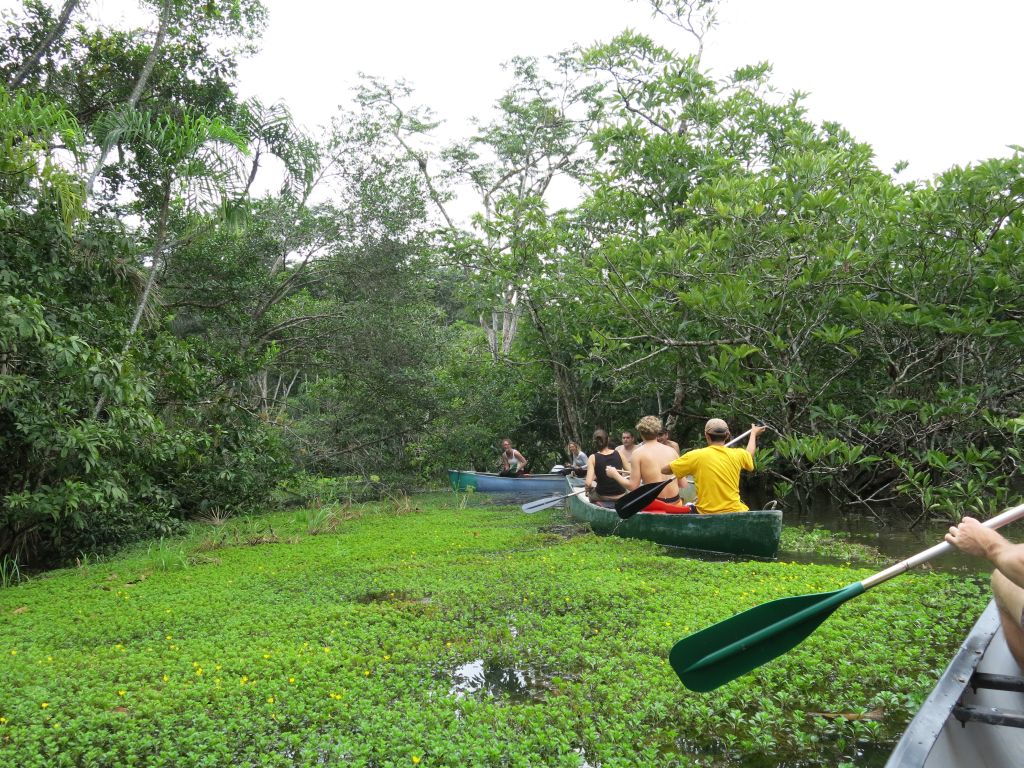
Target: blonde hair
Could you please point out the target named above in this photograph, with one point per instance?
(649, 427)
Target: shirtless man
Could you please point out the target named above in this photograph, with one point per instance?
(1007, 578)
(664, 439)
(626, 449)
(646, 464)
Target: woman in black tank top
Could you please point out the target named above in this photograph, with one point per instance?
(599, 485)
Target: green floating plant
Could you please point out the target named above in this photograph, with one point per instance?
(447, 636)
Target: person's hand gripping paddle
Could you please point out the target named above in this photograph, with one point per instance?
(730, 648)
(642, 495)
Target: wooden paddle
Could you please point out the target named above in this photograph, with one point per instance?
(642, 495)
(724, 651)
(551, 501)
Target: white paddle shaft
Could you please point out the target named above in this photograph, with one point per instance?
(738, 438)
(1014, 513)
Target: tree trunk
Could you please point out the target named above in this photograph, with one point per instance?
(570, 426)
(140, 84)
(678, 398)
(140, 309)
(52, 36)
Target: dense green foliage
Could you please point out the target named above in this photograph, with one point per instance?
(175, 341)
(260, 643)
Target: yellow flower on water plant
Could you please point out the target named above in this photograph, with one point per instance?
(415, 759)
(270, 699)
(3, 720)
(166, 678)
(44, 704)
(291, 679)
(366, 673)
(122, 692)
(14, 652)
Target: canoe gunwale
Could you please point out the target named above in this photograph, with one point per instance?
(749, 534)
(931, 738)
(546, 484)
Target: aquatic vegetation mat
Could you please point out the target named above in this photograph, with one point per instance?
(431, 633)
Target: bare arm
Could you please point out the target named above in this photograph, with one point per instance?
(625, 460)
(680, 479)
(591, 480)
(975, 539)
(755, 430)
(626, 482)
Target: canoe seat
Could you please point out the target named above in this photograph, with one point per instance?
(991, 715)
(997, 682)
(988, 715)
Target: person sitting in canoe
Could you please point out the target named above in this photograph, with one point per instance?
(628, 446)
(513, 463)
(1007, 579)
(647, 465)
(577, 461)
(601, 487)
(716, 468)
(664, 439)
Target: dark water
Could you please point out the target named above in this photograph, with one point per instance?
(891, 536)
(492, 679)
(887, 531)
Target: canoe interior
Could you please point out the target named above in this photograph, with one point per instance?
(755, 533)
(936, 739)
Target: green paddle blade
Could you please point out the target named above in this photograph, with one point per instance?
(724, 651)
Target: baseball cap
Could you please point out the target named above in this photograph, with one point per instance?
(716, 427)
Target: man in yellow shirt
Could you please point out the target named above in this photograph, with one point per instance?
(716, 469)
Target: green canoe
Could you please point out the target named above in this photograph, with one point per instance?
(755, 533)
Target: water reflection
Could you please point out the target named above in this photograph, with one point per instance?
(893, 538)
(489, 678)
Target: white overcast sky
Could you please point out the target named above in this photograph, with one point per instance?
(933, 82)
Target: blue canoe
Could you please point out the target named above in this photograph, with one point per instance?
(524, 485)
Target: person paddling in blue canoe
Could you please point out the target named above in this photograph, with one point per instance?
(577, 461)
(513, 463)
(1007, 579)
